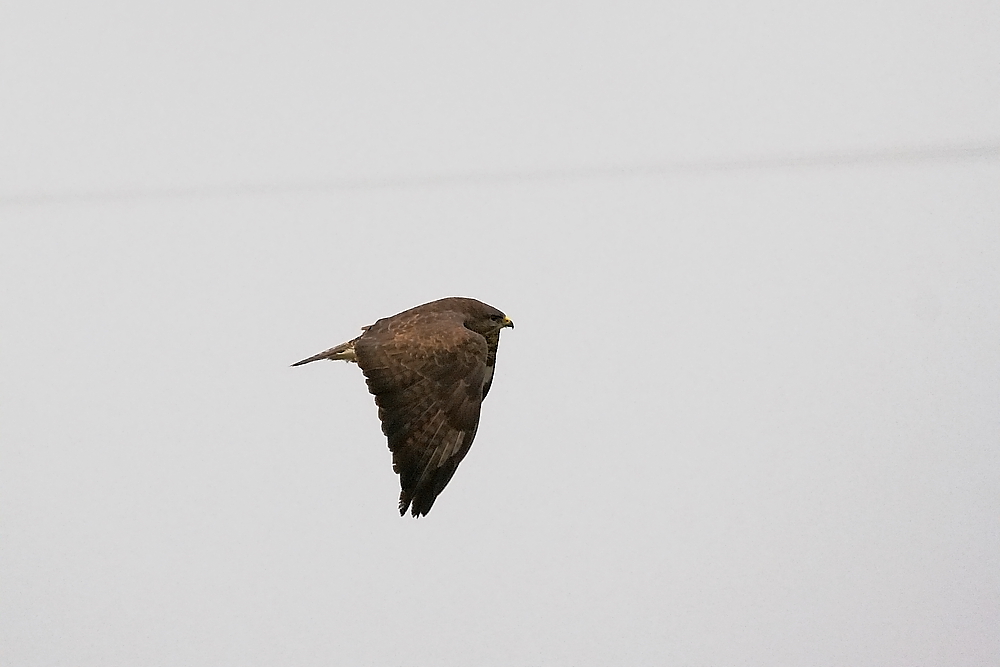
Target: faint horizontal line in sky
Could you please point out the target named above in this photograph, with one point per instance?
(898, 155)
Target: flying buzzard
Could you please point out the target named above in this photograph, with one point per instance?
(430, 368)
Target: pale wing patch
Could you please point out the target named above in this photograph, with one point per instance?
(449, 448)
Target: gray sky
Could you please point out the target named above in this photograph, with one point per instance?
(748, 416)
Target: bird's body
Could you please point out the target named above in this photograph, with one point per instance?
(429, 368)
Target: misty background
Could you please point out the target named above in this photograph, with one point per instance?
(749, 414)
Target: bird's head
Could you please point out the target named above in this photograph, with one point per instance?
(486, 320)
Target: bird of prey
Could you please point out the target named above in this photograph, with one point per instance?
(429, 368)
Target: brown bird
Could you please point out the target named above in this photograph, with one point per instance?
(429, 368)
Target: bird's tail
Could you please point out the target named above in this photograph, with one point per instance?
(343, 352)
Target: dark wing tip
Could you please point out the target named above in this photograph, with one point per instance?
(418, 506)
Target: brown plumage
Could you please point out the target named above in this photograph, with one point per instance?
(429, 368)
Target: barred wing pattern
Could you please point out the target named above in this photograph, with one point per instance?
(427, 373)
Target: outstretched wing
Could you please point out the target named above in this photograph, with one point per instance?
(427, 372)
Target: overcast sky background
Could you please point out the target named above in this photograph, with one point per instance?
(747, 417)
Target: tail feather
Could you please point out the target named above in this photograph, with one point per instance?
(343, 352)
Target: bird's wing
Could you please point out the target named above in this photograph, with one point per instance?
(427, 374)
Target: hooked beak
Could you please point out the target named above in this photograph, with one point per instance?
(507, 322)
